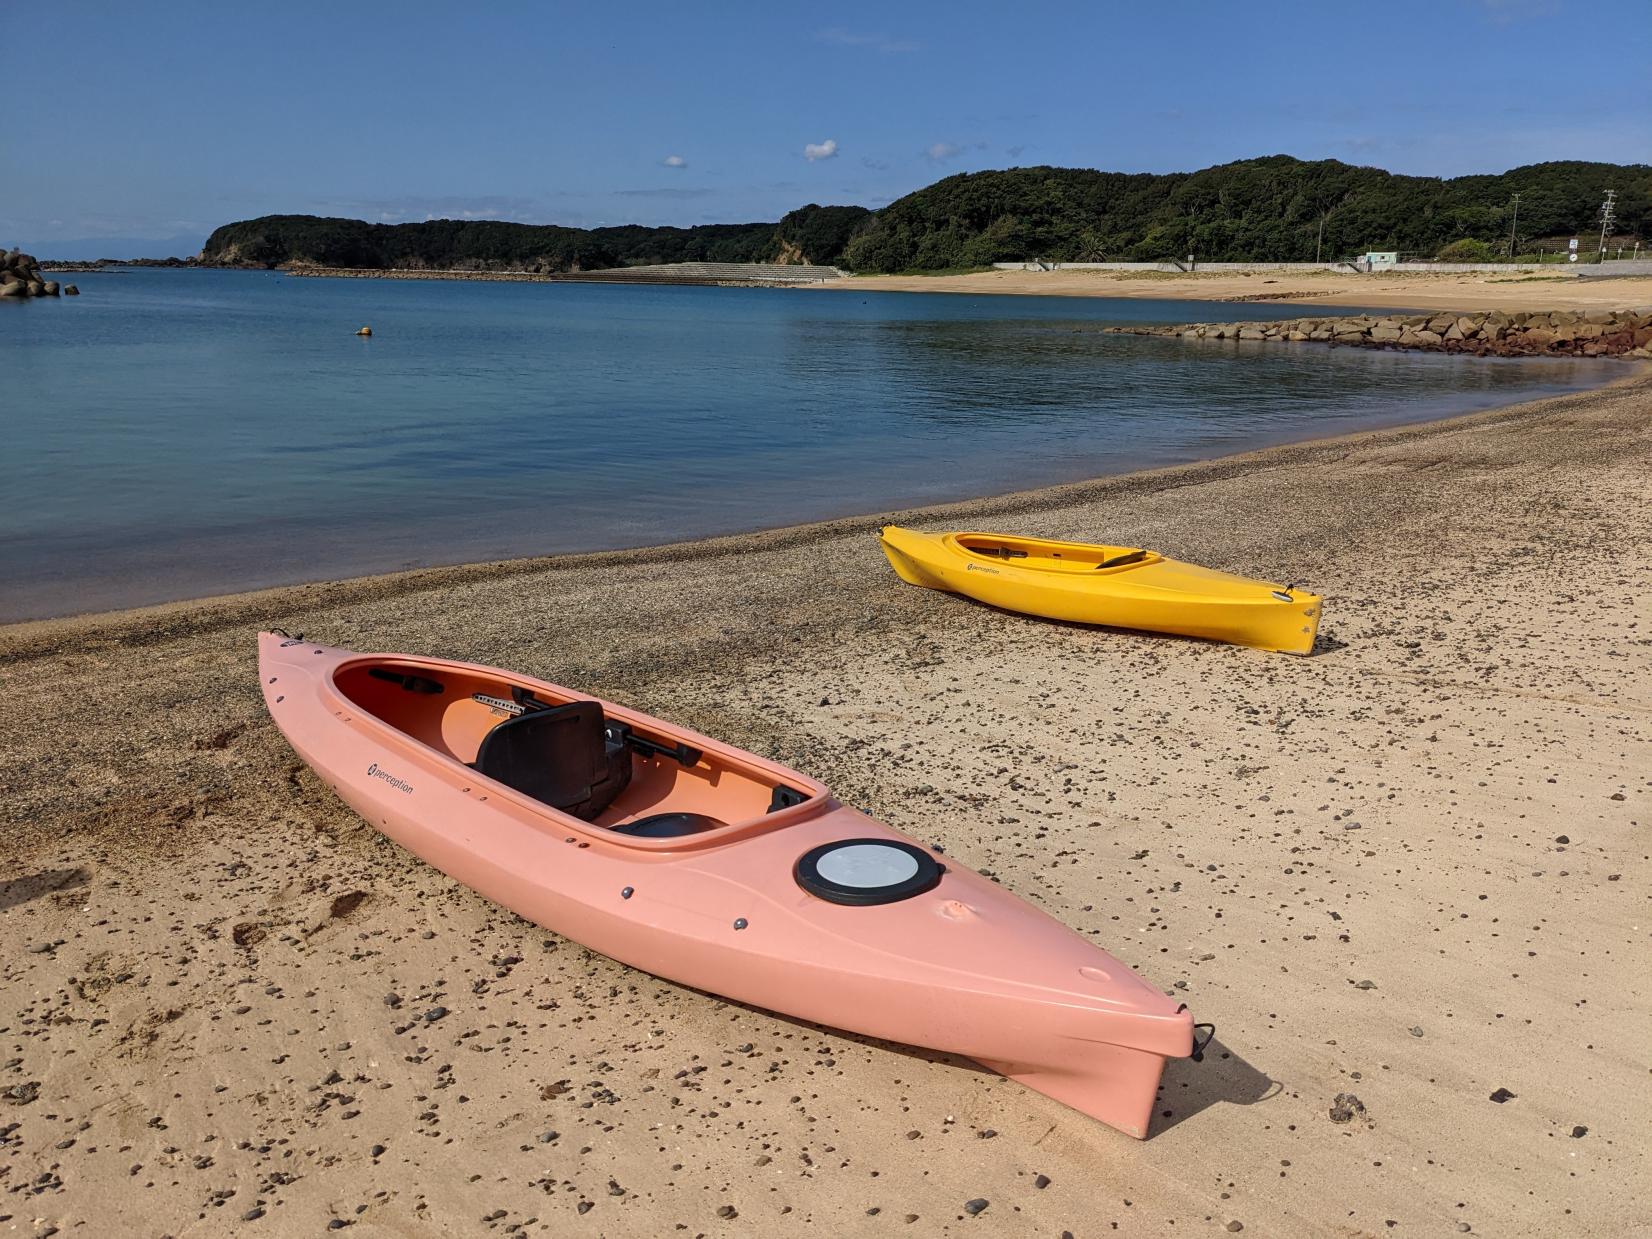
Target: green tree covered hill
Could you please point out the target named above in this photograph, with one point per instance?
(1256, 210)
(810, 234)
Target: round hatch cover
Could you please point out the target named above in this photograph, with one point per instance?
(862, 872)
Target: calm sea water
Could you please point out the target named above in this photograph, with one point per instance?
(177, 433)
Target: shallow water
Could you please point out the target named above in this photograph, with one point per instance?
(172, 434)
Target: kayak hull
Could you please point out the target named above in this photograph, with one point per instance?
(965, 968)
(1155, 594)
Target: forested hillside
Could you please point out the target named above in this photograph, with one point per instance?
(811, 234)
(1256, 210)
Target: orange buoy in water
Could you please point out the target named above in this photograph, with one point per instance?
(365, 331)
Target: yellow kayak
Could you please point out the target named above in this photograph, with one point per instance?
(1121, 586)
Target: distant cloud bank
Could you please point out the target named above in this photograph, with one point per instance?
(814, 152)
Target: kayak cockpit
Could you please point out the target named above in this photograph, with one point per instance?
(617, 770)
(1050, 556)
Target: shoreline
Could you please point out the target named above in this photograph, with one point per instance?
(1365, 867)
(1411, 291)
(1408, 291)
(16, 635)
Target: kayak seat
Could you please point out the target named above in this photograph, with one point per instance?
(563, 756)
(668, 825)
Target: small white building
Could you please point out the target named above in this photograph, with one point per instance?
(1380, 258)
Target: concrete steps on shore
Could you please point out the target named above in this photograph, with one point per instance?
(707, 273)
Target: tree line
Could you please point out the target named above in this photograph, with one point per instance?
(1276, 209)
(814, 233)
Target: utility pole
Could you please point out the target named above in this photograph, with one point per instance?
(1512, 224)
(1606, 218)
(1320, 240)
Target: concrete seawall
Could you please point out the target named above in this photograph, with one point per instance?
(1591, 270)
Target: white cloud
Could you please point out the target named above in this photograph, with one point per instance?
(942, 151)
(816, 151)
(674, 161)
(839, 37)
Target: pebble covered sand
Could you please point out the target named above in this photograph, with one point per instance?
(1406, 878)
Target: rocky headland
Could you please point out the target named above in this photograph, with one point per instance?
(1573, 333)
(108, 264)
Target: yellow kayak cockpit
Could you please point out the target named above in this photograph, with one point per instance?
(1043, 555)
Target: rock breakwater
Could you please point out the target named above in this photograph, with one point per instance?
(20, 277)
(1573, 333)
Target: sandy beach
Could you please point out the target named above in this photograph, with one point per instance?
(1512, 292)
(1411, 868)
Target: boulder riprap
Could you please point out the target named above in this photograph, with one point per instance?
(20, 277)
(1571, 333)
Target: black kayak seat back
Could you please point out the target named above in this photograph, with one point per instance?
(564, 756)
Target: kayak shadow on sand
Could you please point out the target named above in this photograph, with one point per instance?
(14, 892)
(1190, 1088)
(1324, 642)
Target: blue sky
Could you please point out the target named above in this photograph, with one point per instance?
(131, 125)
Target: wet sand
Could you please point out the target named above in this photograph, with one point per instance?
(1411, 868)
(1409, 291)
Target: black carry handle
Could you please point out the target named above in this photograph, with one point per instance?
(785, 798)
(685, 754)
(412, 683)
(1199, 1047)
(1118, 561)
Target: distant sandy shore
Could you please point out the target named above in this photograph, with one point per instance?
(1410, 291)
(1411, 868)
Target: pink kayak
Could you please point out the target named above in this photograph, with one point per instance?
(707, 865)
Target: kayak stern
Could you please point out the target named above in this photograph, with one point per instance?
(905, 551)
